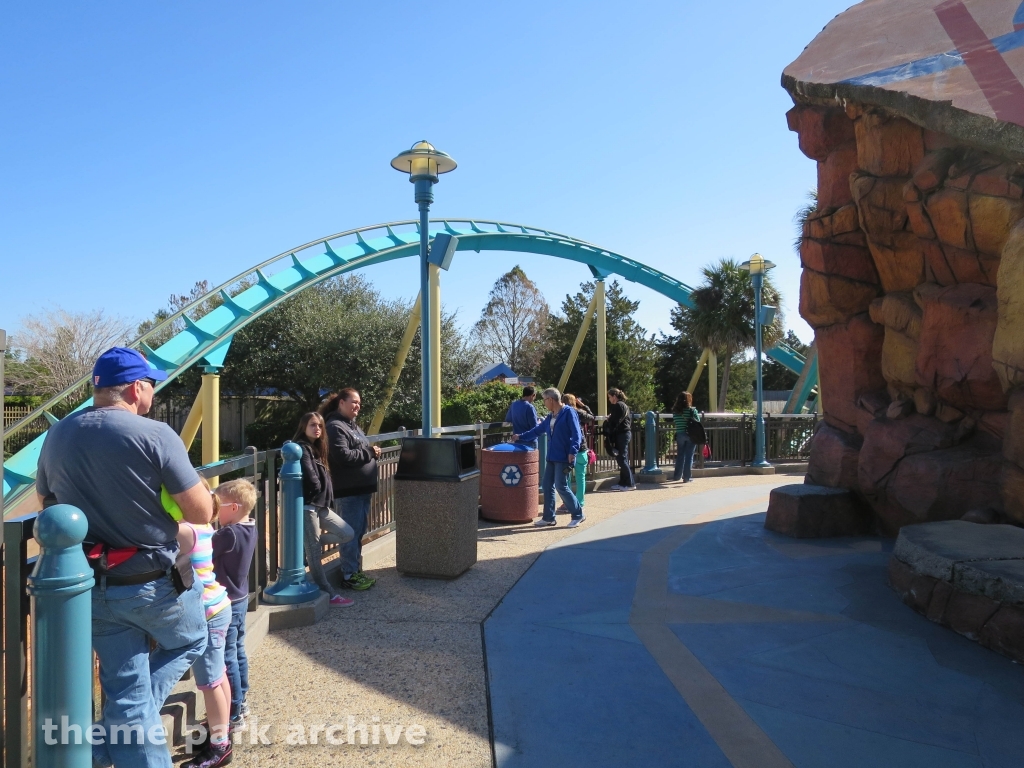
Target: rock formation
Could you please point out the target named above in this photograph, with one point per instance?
(913, 262)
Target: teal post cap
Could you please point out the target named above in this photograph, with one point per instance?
(61, 566)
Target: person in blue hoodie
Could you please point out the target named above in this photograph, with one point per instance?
(565, 440)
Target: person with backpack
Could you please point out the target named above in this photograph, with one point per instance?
(687, 424)
(618, 431)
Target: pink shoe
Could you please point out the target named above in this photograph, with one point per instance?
(340, 601)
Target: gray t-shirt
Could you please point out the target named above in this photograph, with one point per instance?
(110, 463)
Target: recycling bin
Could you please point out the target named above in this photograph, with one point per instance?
(509, 476)
(437, 491)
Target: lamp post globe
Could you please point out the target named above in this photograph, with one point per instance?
(757, 266)
(424, 164)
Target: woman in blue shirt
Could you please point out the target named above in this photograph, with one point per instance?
(565, 440)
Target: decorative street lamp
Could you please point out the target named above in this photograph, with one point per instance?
(424, 164)
(757, 266)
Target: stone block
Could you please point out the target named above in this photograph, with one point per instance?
(994, 423)
(871, 406)
(999, 580)
(941, 593)
(1013, 441)
(880, 205)
(966, 614)
(940, 485)
(820, 129)
(899, 312)
(1013, 492)
(992, 218)
(899, 356)
(954, 358)
(970, 266)
(924, 401)
(914, 589)
(888, 146)
(839, 260)
(887, 442)
(936, 269)
(935, 548)
(948, 213)
(436, 526)
(813, 511)
(919, 222)
(1004, 632)
(829, 299)
(932, 170)
(833, 460)
(834, 177)
(1008, 341)
(1001, 181)
(850, 365)
(900, 266)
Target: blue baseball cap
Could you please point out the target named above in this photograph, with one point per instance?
(120, 365)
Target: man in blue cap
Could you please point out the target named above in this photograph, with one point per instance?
(110, 462)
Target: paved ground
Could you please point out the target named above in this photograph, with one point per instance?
(657, 638)
(411, 651)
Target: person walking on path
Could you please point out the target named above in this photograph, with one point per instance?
(586, 419)
(564, 443)
(618, 430)
(353, 470)
(317, 497)
(111, 462)
(683, 413)
(522, 415)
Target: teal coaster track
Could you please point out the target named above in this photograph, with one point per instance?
(206, 339)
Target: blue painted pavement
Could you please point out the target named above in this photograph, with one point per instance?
(809, 641)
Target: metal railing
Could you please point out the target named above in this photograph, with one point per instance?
(731, 438)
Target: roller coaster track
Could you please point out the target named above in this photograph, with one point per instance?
(260, 289)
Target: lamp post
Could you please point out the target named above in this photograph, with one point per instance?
(757, 265)
(424, 164)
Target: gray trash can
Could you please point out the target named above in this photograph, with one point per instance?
(437, 492)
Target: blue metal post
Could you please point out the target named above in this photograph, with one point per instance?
(651, 445)
(542, 447)
(759, 459)
(291, 585)
(60, 587)
(424, 196)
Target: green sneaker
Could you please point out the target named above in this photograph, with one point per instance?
(359, 582)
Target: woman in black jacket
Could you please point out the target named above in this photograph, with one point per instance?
(353, 463)
(317, 496)
(619, 430)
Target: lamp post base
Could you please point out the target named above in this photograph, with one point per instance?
(291, 587)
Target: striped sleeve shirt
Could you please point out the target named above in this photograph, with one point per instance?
(215, 597)
(682, 420)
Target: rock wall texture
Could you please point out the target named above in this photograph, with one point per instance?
(913, 280)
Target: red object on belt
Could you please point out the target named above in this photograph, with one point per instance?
(114, 557)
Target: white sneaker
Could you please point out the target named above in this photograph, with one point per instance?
(576, 521)
(540, 522)
(627, 488)
(615, 487)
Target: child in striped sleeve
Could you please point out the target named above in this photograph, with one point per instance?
(209, 669)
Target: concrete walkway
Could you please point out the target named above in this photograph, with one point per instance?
(684, 634)
(411, 652)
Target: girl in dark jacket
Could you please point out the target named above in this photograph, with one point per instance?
(317, 496)
(619, 431)
(354, 476)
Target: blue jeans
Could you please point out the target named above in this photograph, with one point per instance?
(235, 659)
(355, 510)
(135, 680)
(622, 459)
(684, 458)
(209, 669)
(556, 478)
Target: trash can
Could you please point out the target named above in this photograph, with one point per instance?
(509, 476)
(437, 491)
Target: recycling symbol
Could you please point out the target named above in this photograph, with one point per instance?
(511, 475)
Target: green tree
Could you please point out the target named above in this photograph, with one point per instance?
(511, 326)
(722, 316)
(340, 333)
(487, 403)
(632, 354)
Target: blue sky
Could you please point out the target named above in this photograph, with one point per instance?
(146, 146)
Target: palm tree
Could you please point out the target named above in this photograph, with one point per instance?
(804, 213)
(722, 317)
